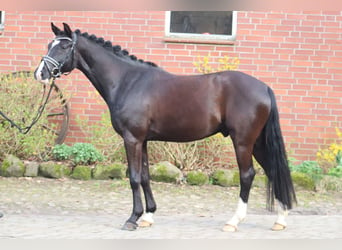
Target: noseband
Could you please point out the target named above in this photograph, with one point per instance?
(53, 65)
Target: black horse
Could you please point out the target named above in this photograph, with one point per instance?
(147, 103)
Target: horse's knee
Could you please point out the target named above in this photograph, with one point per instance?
(135, 181)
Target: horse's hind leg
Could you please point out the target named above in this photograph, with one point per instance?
(147, 218)
(243, 151)
(260, 155)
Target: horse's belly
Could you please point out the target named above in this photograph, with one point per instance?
(187, 128)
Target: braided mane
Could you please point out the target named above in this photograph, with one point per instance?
(116, 49)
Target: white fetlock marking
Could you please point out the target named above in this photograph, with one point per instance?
(282, 214)
(240, 214)
(148, 217)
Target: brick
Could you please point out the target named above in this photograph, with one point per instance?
(302, 75)
(270, 44)
(271, 21)
(315, 17)
(311, 99)
(291, 16)
(307, 105)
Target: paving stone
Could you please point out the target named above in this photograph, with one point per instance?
(41, 208)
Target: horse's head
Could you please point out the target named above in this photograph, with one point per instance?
(60, 56)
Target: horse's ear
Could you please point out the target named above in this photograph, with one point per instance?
(55, 29)
(67, 30)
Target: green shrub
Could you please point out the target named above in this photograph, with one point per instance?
(79, 153)
(337, 171)
(85, 153)
(62, 152)
(197, 178)
(310, 168)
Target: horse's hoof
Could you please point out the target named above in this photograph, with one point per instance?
(229, 228)
(145, 223)
(130, 226)
(278, 227)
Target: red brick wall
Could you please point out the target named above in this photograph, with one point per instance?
(299, 54)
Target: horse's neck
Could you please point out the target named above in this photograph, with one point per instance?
(101, 67)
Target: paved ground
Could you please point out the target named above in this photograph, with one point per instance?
(46, 208)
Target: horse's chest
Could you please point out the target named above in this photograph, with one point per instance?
(128, 117)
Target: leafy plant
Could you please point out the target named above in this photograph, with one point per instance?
(310, 168)
(62, 152)
(79, 153)
(291, 162)
(336, 171)
(85, 153)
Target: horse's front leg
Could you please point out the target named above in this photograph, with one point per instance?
(147, 218)
(134, 157)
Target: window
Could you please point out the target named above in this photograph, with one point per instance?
(2, 20)
(208, 25)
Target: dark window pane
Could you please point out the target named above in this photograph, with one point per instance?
(202, 22)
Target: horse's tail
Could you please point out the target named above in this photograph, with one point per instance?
(277, 170)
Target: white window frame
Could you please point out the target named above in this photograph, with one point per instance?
(2, 21)
(200, 36)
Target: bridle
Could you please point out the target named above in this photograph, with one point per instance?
(53, 65)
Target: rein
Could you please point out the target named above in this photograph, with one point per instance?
(25, 130)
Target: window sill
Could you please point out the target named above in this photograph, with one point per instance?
(169, 39)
